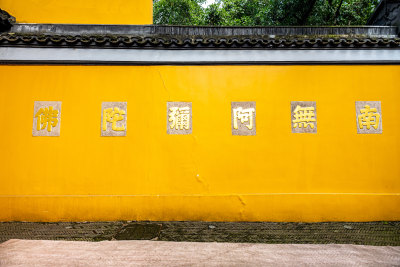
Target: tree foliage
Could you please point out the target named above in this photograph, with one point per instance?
(178, 12)
(264, 12)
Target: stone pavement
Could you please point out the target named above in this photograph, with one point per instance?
(160, 253)
(361, 233)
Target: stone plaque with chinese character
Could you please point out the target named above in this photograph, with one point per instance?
(113, 118)
(243, 118)
(304, 116)
(179, 117)
(369, 117)
(46, 118)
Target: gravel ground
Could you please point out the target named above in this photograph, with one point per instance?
(359, 233)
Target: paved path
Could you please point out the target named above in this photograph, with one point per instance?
(159, 253)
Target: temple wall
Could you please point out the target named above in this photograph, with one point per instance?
(212, 175)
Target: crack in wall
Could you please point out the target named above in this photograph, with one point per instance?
(164, 86)
(243, 206)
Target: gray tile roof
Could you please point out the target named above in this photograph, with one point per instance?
(191, 37)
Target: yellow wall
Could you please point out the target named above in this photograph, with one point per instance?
(334, 175)
(80, 11)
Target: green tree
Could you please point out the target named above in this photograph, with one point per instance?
(342, 12)
(264, 12)
(178, 12)
(213, 15)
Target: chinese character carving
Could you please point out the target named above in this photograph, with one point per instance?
(113, 118)
(304, 117)
(179, 117)
(369, 118)
(46, 118)
(243, 118)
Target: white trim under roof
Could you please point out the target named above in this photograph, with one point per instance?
(21, 55)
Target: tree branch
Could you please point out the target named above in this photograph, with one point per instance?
(307, 14)
(337, 11)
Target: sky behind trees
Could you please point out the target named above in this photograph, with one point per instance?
(207, 3)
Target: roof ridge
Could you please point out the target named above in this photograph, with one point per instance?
(84, 29)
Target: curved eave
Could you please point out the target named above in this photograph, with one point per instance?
(196, 42)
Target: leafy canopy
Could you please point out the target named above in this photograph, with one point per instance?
(264, 12)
